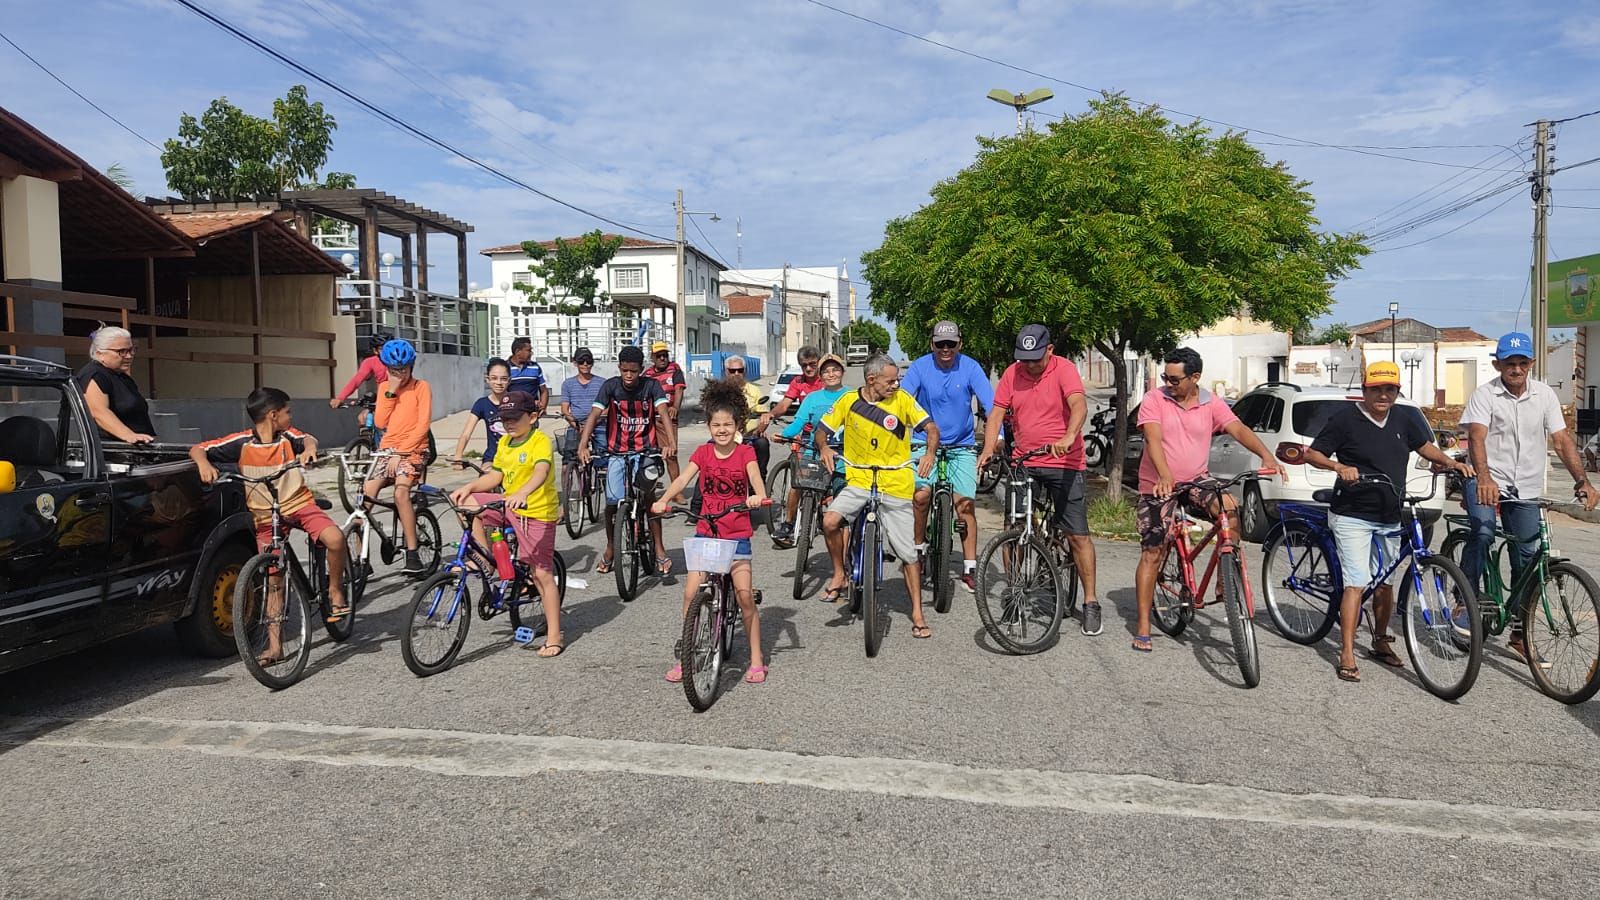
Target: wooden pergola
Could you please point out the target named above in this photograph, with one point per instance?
(374, 212)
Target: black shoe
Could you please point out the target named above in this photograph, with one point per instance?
(783, 537)
(413, 565)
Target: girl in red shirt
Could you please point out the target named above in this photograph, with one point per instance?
(729, 476)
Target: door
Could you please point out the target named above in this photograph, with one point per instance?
(53, 529)
(157, 526)
(1229, 457)
(1461, 379)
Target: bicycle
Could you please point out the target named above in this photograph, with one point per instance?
(274, 592)
(583, 490)
(813, 482)
(1303, 594)
(441, 609)
(1177, 596)
(634, 548)
(713, 614)
(1546, 621)
(865, 556)
(779, 479)
(942, 528)
(356, 459)
(1027, 584)
(391, 542)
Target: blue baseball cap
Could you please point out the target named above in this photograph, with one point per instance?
(1514, 344)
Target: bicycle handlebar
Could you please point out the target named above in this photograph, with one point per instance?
(242, 478)
(690, 514)
(905, 465)
(1213, 484)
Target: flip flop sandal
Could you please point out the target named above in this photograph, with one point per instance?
(1141, 643)
(664, 567)
(675, 674)
(921, 632)
(604, 567)
(558, 648)
(832, 595)
(1382, 652)
(756, 675)
(1348, 673)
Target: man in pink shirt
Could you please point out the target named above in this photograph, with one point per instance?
(1178, 422)
(1044, 397)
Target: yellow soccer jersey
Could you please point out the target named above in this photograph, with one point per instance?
(877, 434)
(516, 463)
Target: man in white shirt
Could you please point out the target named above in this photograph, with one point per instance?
(1511, 423)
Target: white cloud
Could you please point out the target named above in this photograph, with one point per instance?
(1438, 104)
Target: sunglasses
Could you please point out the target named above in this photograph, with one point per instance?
(1174, 380)
(583, 362)
(735, 371)
(944, 345)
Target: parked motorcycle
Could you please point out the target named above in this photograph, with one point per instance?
(1099, 437)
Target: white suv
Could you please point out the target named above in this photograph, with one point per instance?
(1287, 416)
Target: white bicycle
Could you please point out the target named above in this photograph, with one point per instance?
(362, 524)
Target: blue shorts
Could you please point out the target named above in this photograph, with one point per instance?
(1357, 559)
(742, 551)
(960, 466)
(617, 469)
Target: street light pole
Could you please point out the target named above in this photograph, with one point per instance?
(1020, 102)
(680, 311)
(1394, 314)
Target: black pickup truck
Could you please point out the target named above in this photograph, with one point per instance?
(100, 539)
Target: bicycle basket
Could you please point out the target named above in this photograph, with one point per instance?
(811, 475)
(569, 444)
(708, 554)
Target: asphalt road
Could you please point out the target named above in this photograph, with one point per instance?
(940, 768)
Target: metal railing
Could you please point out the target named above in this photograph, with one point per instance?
(436, 323)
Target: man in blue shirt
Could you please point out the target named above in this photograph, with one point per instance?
(526, 375)
(945, 382)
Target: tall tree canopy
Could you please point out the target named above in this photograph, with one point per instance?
(1116, 228)
(228, 154)
(866, 331)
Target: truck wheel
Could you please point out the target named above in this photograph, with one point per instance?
(208, 630)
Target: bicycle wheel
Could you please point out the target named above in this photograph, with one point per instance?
(802, 540)
(1562, 633)
(1171, 606)
(356, 556)
(700, 652)
(528, 608)
(341, 628)
(572, 498)
(626, 562)
(429, 541)
(1443, 665)
(989, 475)
(941, 527)
(358, 457)
(441, 613)
(1301, 584)
(1454, 546)
(1240, 626)
(1021, 593)
(268, 602)
(778, 484)
(871, 554)
(594, 498)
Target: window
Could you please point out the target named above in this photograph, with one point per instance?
(1252, 410)
(39, 436)
(1271, 418)
(629, 279)
(523, 277)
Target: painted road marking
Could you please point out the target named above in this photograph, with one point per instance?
(465, 753)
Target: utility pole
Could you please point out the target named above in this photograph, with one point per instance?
(678, 334)
(783, 314)
(738, 236)
(1541, 243)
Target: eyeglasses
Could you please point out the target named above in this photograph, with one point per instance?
(735, 371)
(120, 351)
(808, 363)
(944, 345)
(1174, 380)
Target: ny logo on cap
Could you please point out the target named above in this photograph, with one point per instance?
(1029, 342)
(1514, 342)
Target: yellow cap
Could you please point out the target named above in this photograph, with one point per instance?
(1382, 372)
(658, 346)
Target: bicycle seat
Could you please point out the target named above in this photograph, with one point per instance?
(1323, 495)
(324, 503)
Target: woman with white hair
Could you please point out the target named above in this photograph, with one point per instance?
(110, 392)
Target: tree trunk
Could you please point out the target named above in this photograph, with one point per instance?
(1119, 444)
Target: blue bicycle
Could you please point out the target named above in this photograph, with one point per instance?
(865, 555)
(1302, 584)
(441, 611)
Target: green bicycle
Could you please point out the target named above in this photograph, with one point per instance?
(1560, 606)
(942, 531)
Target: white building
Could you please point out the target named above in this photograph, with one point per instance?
(642, 280)
(831, 308)
(1438, 366)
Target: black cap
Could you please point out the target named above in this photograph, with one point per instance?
(518, 403)
(1031, 343)
(583, 355)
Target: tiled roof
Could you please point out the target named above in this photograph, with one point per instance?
(207, 225)
(1460, 334)
(745, 304)
(224, 237)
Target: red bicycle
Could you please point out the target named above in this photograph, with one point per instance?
(1177, 596)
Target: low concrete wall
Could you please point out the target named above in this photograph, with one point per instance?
(456, 381)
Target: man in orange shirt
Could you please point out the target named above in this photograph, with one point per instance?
(405, 413)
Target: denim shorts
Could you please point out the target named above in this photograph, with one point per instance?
(960, 466)
(1357, 560)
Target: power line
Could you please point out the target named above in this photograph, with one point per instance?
(1451, 231)
(396, 121)
(1586, 115)
(1435, 215)
(76, 93)
(704, 238)
(1083, 87)
(1438, 190)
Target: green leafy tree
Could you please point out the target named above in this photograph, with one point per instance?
(1119, 230)
(228, 154)
(119, 176)
(866, 331)
(566, 274)
(1337, 333)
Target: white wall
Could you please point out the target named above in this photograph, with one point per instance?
(1235, 363)
(747, 336)
(833, 282)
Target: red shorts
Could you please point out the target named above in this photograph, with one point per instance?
(309, 518)
(536, 539)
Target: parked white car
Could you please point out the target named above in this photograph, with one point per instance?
(780, 386)
(1286, 416)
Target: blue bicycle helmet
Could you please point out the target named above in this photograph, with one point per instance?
(398, 353)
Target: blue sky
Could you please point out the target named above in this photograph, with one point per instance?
(815, 128)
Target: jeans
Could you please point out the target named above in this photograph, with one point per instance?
(1521, 520)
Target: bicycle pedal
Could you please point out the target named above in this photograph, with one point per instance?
(758, 598)
(523, 635)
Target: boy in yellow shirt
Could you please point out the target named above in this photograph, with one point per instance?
(523, 468)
